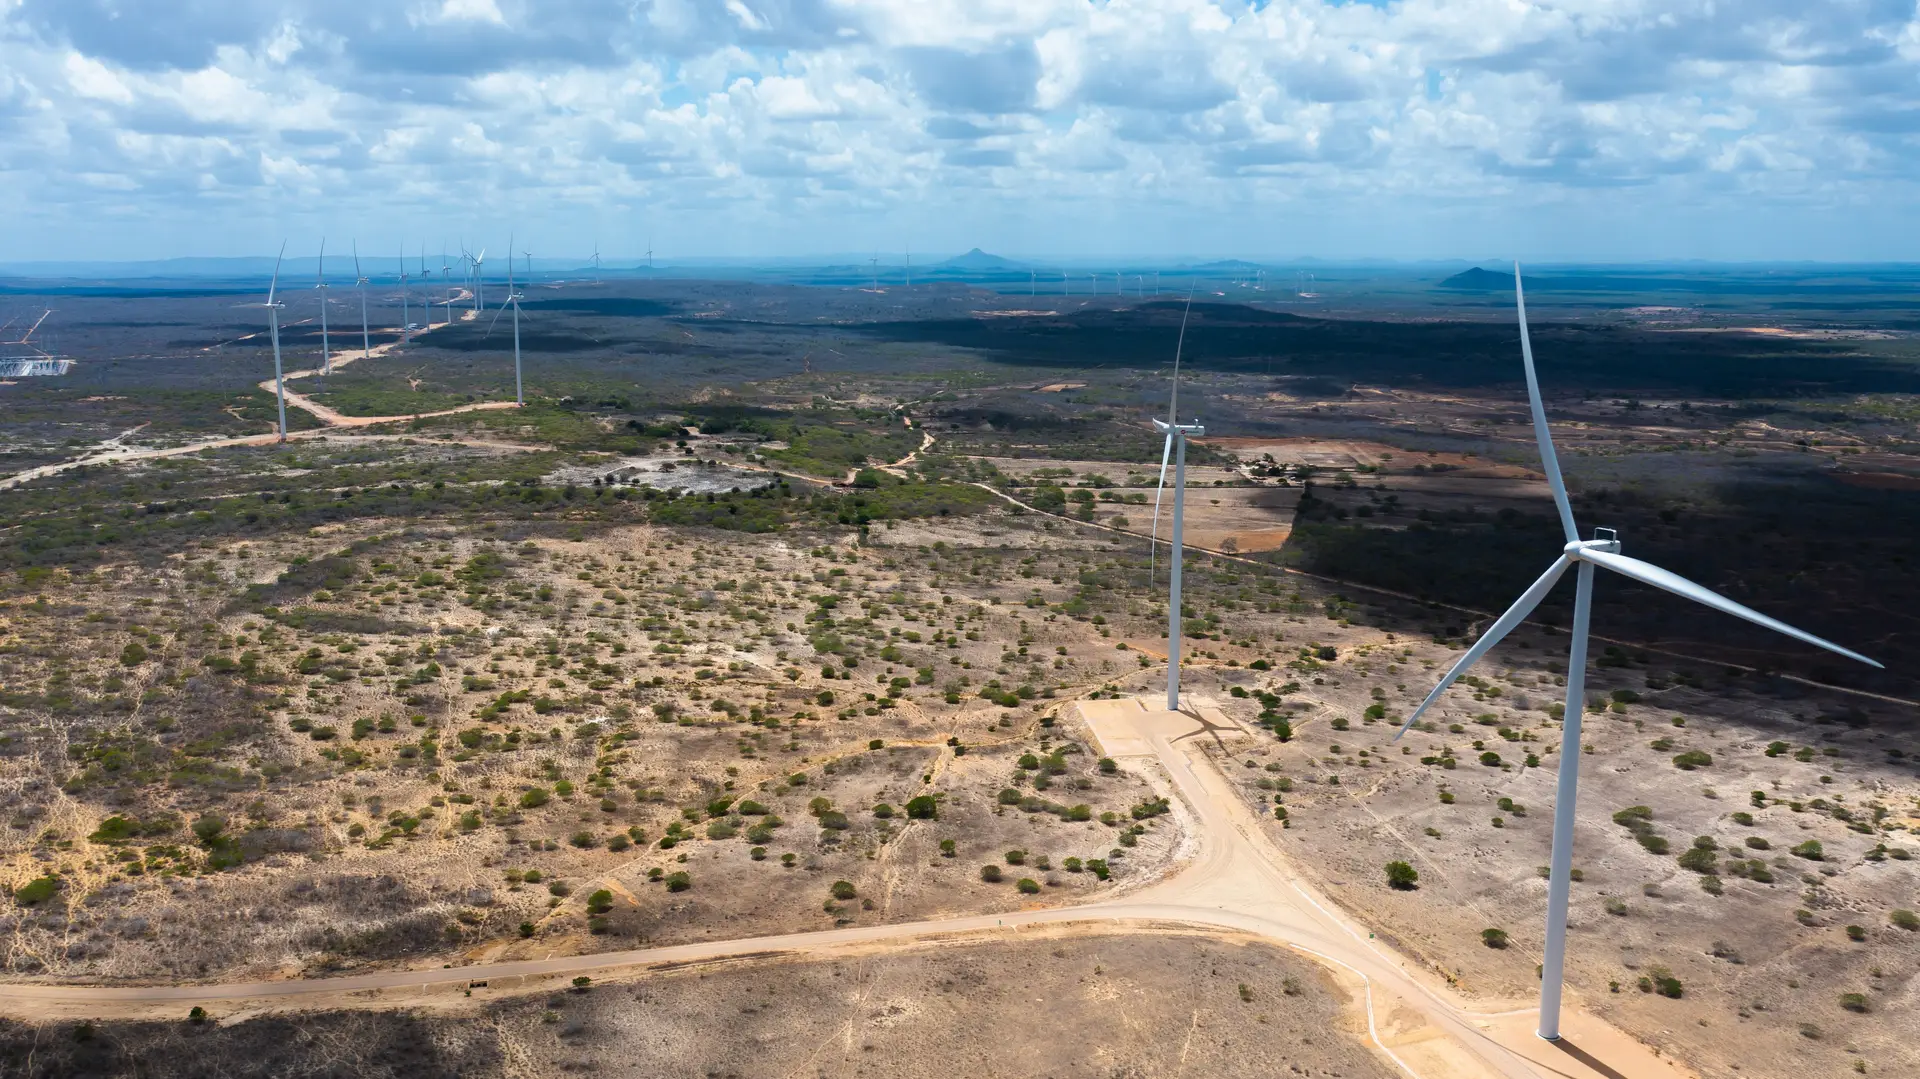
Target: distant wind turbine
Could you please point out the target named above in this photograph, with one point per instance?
(273, 307)
(326, 358)
(513, 300)
(406, 321)
(1603, 551)
(360, 282)
(479, 277)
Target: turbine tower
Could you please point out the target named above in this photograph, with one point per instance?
(320, 286)
(273, 321)
(446, 280)
(513, 300)
(360, 282)
(1175, 447)
(1603, 551)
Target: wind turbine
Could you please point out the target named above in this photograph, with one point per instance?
(320, 286)
(479, 276)
(1175, 447)
(649, 254)
(513, 299)
(596, 262)
(273, 320)
(406, 322)
(1603, 551)
(446, 279)
(360, 282)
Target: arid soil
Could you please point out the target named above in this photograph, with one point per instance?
(1071, 1004)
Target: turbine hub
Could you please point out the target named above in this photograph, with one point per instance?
(1605, 540)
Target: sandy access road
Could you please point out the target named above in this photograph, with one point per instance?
(1236, 880)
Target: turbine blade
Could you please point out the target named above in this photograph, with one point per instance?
(1173, 402)
(496, 320)
(356, 259)
(1502, 626)
(1549, 462)
(1153, 548)
(276, 272)
(1648, 573)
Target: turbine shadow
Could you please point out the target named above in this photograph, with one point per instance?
(1599, 1067)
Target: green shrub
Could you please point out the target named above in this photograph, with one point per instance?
(36, 891)
(1855, 1002)
(1494, 938)
(1402, 876)
(535, 797)
(1905, 919)
(843, 890)
(679, 882)
(1811, 850)
(1028, 886)
(923, 807)
(990, 874)
(1691, 759)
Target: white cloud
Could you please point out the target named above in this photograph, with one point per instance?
(960, 123)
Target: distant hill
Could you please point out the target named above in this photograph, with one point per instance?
(977, 259)
(1228, 266)
(1479, 280)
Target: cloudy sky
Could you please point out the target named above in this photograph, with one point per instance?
(1559, 129)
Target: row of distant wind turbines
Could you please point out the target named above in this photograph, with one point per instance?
(472, 265)
(1602, 551)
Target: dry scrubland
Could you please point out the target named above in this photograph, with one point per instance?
(316, 752)
(1071, 1005)
(414, 741)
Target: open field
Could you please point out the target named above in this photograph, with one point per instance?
(770, 613)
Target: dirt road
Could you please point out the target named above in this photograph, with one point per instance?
(1236, 880)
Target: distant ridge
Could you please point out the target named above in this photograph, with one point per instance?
(977, 259)
(1480, 280)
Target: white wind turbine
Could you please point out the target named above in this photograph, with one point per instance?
(273, 307)
(1602, 551)
(513, 300)
(320, 286)
(479, 276)
(596, 262)
(446, 279)
(360, 282)
(406, 321)
(1175, 447)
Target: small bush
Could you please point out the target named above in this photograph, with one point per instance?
(923, 807)
(535, 797)
(1402, 876)
(1016, 857)
(679, 882)
(1811, 850)
(1028, 886)
(1691, 759)
(1494, 938)
(1905, 919)
(990, 874)
(843, 890)
(1855, 1002)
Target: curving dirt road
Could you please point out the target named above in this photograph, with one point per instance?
(1237, 880)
